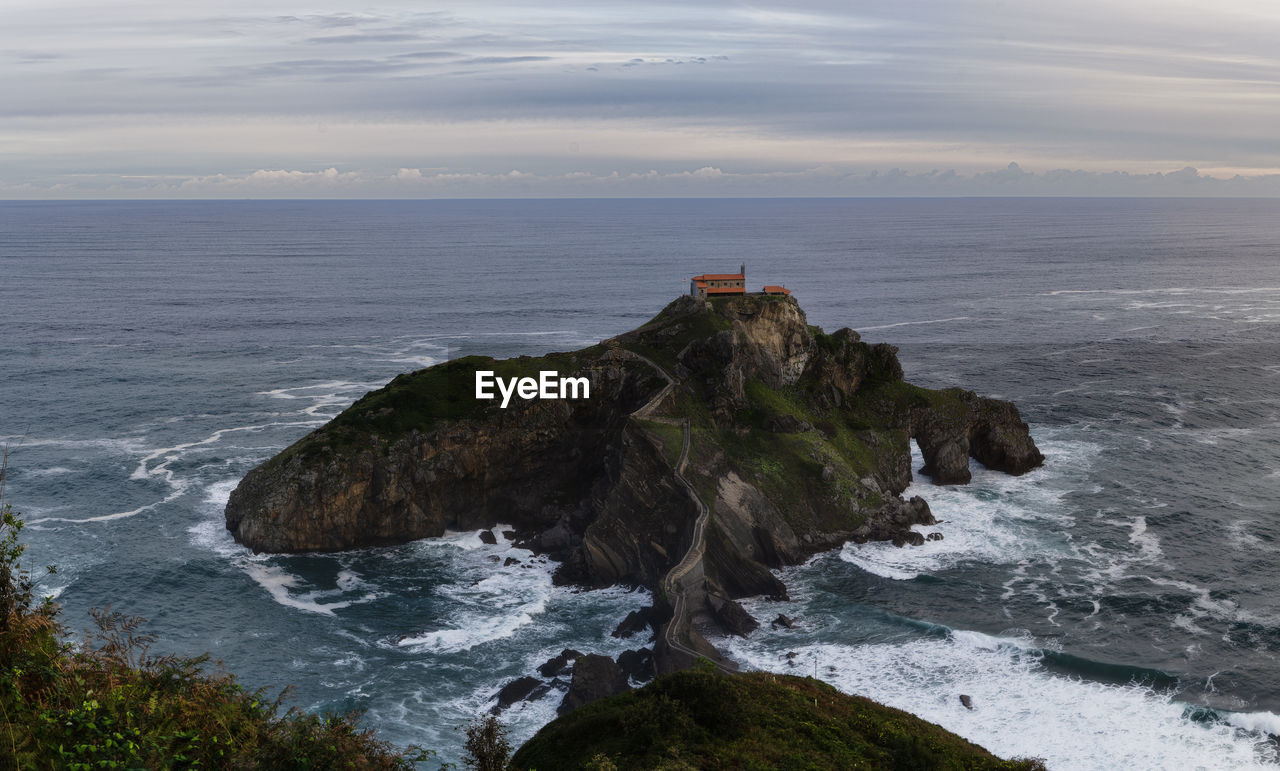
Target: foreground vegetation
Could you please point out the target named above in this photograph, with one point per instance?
(109, 703)
(702, 718)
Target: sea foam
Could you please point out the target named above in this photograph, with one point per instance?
(1019, 708)
(995, 519)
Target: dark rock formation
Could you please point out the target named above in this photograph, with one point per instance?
(785, 623)
(910, 537)
(556, 664)
(636, 621)
(643, 520)
(594, 678)
(946, 455)
(487, 536)
(637, 665)
(731, 616)
(894, 520)
(514, 691)
(988, 430)
(422, 455)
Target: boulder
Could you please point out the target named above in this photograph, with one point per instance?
(487, 536)
(893, 522)
(636, 621)
(637, 664)
(594, 677)
(909, 537)
(731, 616)
(556, 664)
(514, 691)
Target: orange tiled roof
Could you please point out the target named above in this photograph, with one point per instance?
(719, 277)
(772, 289)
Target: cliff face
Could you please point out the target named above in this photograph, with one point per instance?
(729, 435)
(389, 470)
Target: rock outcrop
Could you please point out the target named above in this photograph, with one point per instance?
(728, 430)
(989, 430)
(594, 678)
(637, 664)
(421, 456)
(557, 664)
(517, 690)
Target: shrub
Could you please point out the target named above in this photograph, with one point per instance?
(487, 746)
(110, 703)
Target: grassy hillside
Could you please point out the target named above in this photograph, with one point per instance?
(421, 401)
(701, 718)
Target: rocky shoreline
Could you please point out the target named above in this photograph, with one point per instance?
(722, 440)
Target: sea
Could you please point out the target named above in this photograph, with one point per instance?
(1117, 608)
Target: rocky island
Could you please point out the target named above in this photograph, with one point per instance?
(723, 438)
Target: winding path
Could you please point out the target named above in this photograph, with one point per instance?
(671, 583)
(697, 548)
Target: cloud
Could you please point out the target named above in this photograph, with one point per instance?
(37, 57)
(1091, 85)
(365, 37)
(408, 182)
(427, 55)
(505, 59)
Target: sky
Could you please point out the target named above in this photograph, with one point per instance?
(277, 98)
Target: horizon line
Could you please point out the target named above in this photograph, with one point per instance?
(313, 199)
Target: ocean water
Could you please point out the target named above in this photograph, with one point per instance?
(1116, 608)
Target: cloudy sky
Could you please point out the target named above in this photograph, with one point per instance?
(151, 98)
